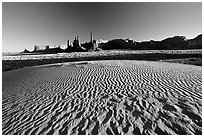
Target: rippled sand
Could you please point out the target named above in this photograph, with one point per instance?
(103, 97)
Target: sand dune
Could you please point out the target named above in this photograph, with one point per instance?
(103, 97)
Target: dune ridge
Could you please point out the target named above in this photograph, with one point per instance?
(103, 97)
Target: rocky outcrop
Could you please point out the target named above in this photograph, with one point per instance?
(25, 51)
(172, 43)
(176, 42)
(195, 43)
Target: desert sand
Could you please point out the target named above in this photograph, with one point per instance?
(103, 97)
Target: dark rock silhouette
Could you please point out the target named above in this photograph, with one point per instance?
(36, 48)
(195, 43)
(25, 51)
(47, 50)
(92, 45)
(177, 42)
(172, 43)
(115, 44)
(76, 47)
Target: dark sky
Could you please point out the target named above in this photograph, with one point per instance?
(27, 24)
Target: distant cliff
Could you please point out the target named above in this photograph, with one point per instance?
(172, 43)
(195, 43)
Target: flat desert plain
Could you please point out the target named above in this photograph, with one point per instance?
(103, 97)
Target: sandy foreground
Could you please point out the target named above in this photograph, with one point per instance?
(103, 97)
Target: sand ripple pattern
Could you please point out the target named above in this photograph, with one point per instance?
(103, 97)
